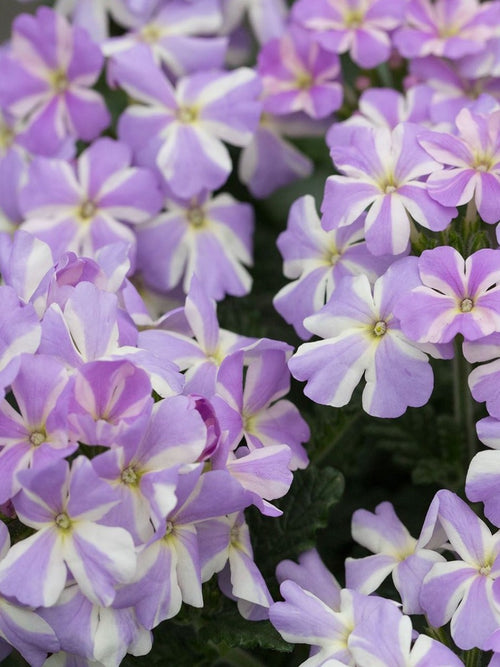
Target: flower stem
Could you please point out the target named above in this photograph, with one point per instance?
(463, 405)
(470, 214)
(472, 658)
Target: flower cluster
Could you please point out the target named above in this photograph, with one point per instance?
(133, 436)
(402, 267)
(135, 430)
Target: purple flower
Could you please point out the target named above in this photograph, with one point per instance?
(453, 87)
(266, 17)
(462, 590)
(395, 551)
(144, 470)
(46, 79)
(202, 355)
(385, 107)
(90, 632)
(317, 260)
(382, 170)
(363, 337)
(270, 161)
(172, 33)
(473, 161)
(85, 208)
(181, 130)
(39, 433)
(91, 327)
(209, 237)
(108, 397)
(312, 575)
(385, 637)
(447, 28)
(362, 29)
(334, 633)
(64, 506)
(12, 173)
(172, 556)
(298, 74)
(454, 296)
(19, 333)
(249, 404)
(241, 579)
(482, 483)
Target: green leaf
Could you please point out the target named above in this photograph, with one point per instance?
(306, 509)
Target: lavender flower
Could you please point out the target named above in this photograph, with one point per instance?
(174, 34)
(47, 77)
(448, 28)
(382, 170)
(362, 29)
(454, 296)
(298, 74)
(473, 159)
(181, 130)
(363, 337)
(462, 590)
(64, 507)
(84, 209)
(395, 551)
(209, 237)
(317, 260)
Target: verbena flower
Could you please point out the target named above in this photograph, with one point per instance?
(48, 73)
(317, 260)
(298, 74)
(181, 131)
(85, 208)
(64, 506)
(382, 170)
(472, 162)
(207, 236)
(361, 28)
(454, 296)
(448, 28)
(362, 337)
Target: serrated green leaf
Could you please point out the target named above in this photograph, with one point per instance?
(306, 509)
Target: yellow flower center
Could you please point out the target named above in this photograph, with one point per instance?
(196, 216)
(483, 162)
(87, 210)
(187, 115)
(151, 33)
(234, 536)
(353, 19)
(63, 521)
(6, 137)
(37, 438)
(380, 328)
(129, 476)
(466, 305)
(304, 80)
(59, 81)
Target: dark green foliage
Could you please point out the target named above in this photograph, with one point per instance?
(201, 637)
(306, 509)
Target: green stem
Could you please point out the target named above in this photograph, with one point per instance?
(385, 75)
(472, 658)
(463, 406)
(470, 214)
(338, 436)
(439, 634)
